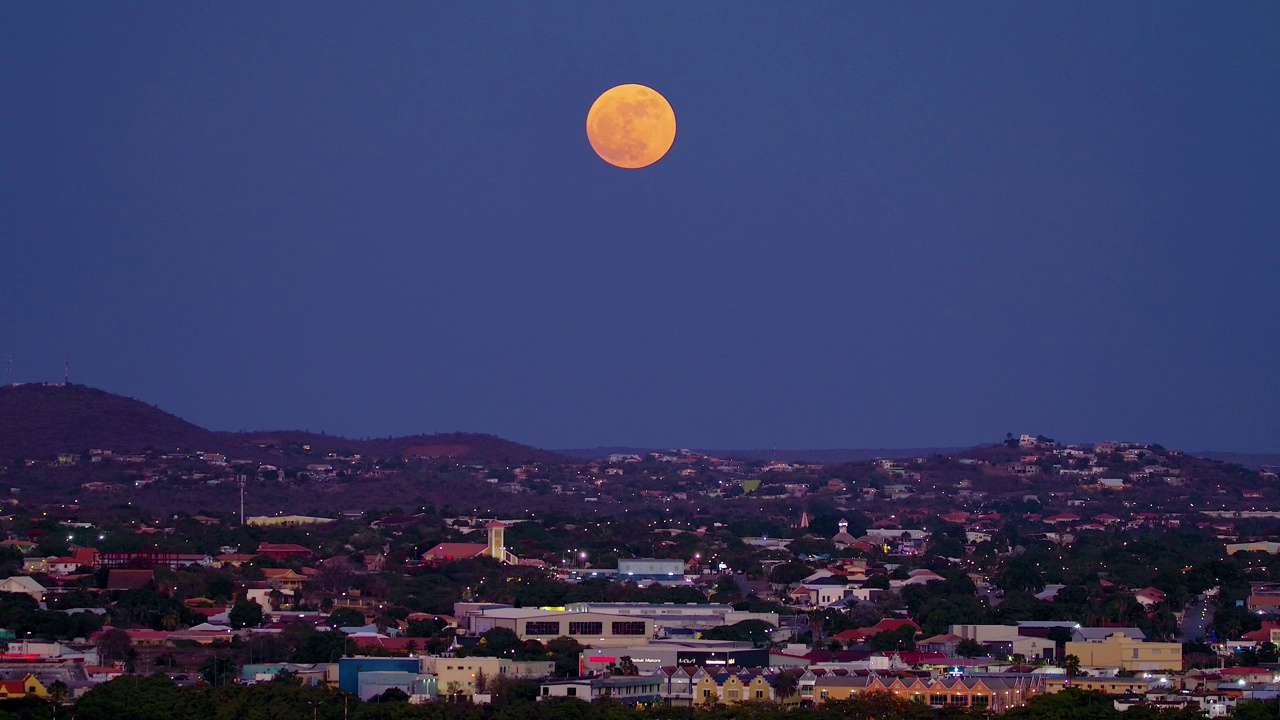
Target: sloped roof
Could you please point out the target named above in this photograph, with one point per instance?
(456, 550)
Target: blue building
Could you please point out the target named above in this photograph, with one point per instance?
(350, 668)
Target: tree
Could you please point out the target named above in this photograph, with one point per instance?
(392, 695)
(786, 684)
(498, 642)
(627, 666)
(1071, 664)
(58, 693)
(565, 652)
(245, 613)
(1020, 573)
(970, 648)
(218, 670)
(904, 638)
(346, 617)
(754, 631)
(1257, 710)
(113, 644)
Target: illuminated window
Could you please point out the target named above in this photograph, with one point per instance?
(628, 628)
(586, 628)
(937, 700)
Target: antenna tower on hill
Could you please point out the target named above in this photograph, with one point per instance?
(8, 366)
(66, 371)
(240, 482)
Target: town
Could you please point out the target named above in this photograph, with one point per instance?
(978, 580)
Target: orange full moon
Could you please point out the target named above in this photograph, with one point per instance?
(631, 126)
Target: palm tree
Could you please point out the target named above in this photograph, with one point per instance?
(786, 684)
(1071, 664)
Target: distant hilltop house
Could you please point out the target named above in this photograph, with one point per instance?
(282, 551)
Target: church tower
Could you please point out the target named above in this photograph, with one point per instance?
(497, 544)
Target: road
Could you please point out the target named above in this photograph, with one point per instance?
(1197, 620)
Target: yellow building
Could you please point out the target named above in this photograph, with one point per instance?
(730, 689)
(285, 520)
(991, 693)
(1125, 653)
(22, 688)
(459, 676)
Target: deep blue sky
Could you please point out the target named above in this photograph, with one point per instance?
(881, 224)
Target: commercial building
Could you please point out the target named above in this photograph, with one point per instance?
(629, 690)
(676, 620)
(1126, 653)
(644, 570)
(712, 654)
(464, 676)
(588, 628)
(351, 668)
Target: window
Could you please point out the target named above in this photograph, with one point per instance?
(1135, 653)
(958, 700)
(628, 628)
(571, 692)
(937, 700)
(825, 695)
(542, 628)
(980, 701)
(759, 694)
(706, 693)
(586, 628)
(546, 691)
(733, 694)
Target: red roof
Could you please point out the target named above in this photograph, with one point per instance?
(396, 644)
(450, 551)
(267, 547)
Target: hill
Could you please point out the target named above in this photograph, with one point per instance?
(39, 422)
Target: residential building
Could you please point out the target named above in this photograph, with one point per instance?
(25, 585)
(991, 693)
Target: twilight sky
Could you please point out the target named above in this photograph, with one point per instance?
(881, 224)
